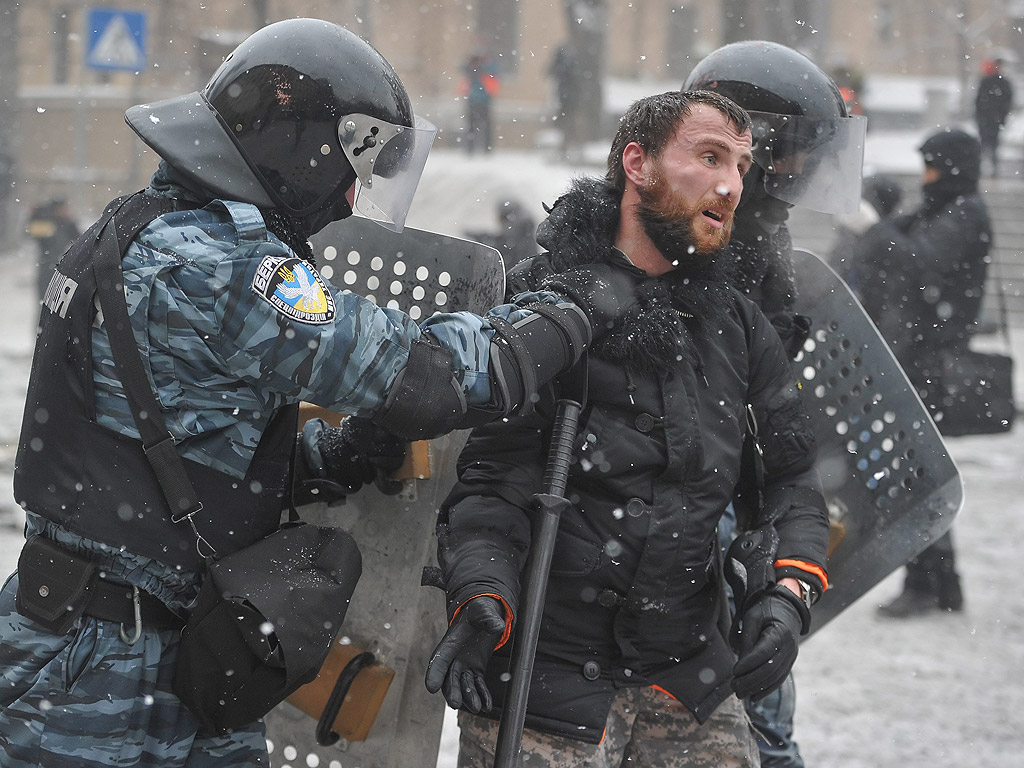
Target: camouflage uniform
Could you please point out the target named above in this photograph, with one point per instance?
(87, 699)
(224, 348)
(645, 727)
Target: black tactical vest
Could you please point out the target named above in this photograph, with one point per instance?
(99, 484)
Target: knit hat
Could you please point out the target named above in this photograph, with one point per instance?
(953, 153)
(883, 192)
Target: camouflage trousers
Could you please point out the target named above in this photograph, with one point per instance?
(646, 728)
(88, 699)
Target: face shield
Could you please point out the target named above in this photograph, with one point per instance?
(811, 162)
(388, 160)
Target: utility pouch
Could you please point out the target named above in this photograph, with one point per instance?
(53, 584)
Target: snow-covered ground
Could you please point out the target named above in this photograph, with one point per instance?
(943, 690)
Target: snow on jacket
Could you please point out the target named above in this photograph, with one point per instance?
(635, 595)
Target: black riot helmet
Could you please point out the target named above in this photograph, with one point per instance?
(295, 115)
(808, 149)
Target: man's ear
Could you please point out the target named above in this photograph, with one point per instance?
(633, 159)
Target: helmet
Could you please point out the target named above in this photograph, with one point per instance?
(807, 146)
(294, 116)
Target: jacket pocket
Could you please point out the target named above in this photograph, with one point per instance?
(619, 447)
(575, 556)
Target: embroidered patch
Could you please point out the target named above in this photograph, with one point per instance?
(294, 289)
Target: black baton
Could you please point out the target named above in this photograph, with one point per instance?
(548, 506)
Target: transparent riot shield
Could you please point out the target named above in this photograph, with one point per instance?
(891, 486)
(386, 719)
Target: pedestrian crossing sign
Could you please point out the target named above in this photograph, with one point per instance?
(116, 39)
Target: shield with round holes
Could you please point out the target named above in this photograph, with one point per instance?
(388, 720)
(891, 486)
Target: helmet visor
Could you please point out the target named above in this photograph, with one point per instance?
(388, 160)
(811, 162)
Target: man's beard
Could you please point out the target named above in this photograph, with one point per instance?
(668, 222)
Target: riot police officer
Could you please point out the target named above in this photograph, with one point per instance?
(808, 152)
(303, 122)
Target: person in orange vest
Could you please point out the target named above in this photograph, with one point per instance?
(479, 86)
(992, 106)
(852, 102)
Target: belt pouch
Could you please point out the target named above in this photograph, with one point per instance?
(53, 584)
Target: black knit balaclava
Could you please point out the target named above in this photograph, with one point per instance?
(957, 157)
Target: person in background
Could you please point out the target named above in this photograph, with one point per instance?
(236, 328)
(564, 71)
(808, 152)
(53, 227)
(922, 282)
(634, 664)
(516, 238)
(881, 195)
(479, 86)
(992, 105)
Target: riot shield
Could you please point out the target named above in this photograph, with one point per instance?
(891, 486)
(387, 719)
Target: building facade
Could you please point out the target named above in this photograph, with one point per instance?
(69, 139)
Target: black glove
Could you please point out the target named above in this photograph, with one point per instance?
(340, 460)
(605, 292)
(750, 565)
(457, 665)
(766, 642)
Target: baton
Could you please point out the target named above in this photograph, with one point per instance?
(548, 506)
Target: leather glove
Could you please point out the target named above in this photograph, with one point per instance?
(766, 642)
(457, 665)
(340, 460)
(605, 292)
(359, 449)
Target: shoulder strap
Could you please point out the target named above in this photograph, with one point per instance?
(129, 218)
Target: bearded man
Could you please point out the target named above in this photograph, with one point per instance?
(637, 663)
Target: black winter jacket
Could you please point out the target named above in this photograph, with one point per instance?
(923, 273)
(635, 594)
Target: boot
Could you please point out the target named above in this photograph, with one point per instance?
(909, 603)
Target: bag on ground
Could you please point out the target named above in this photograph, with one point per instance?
(970, 393)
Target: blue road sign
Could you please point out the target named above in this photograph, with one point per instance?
(116, 39)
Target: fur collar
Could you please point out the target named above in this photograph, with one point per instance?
(671, 311)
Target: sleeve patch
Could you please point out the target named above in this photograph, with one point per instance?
(295, 289)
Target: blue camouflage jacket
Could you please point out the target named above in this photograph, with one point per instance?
(231, 326)
(211, 334)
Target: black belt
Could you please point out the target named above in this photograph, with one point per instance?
(118, 602)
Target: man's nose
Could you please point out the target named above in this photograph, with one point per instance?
(730, 186)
